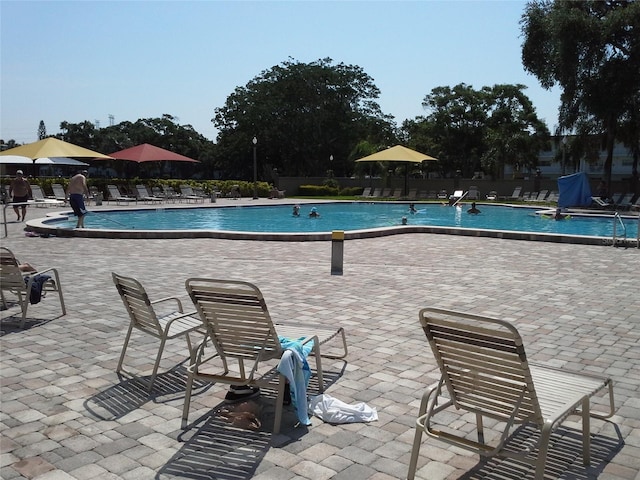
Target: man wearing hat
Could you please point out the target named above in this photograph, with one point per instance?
(20, 190)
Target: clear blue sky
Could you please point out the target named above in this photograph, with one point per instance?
(86, 60)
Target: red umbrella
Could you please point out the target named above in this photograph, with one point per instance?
(150, 153)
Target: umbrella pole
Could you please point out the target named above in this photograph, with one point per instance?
(406, 177)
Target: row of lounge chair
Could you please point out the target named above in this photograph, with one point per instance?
(142, 194)
(484, 369)
(472, 194)
(618, 201)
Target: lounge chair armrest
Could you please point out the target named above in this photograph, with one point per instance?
(166, 299)
(45, 272)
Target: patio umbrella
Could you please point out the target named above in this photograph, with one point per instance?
(52, 147)
(398, 154)
(150, 153)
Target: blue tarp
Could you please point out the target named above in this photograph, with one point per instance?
(575, 191)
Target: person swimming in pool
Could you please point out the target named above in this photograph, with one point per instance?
(558, 215)
(314, 213)
(473, 210)
(296, 211)
(412, 208)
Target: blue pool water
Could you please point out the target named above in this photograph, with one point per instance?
(348, 216)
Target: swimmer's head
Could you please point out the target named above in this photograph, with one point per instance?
(404, 220)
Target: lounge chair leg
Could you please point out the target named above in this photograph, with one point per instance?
(124, 348)
(157, 364)
(417, 439)
(319, 373)
(187, 400)
(586, 432)
(545, 435)
(277, 420)
(24, 306)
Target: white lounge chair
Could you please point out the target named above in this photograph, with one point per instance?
(40, 199)
(188, 195)
(473, 193)
(485, 372)
(242, 333)
(116, 196)
(12, 280)
(144, 196)
(59, 192)
(143, 318)
(516, 194)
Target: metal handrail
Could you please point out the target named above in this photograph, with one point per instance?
(617, 216)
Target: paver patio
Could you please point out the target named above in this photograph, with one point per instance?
(65, 413)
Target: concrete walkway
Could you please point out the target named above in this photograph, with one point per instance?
(65, 414)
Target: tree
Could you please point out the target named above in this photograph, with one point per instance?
(591, 49)
(457, 118)
(514, 134)
(301, 114)
(42, 131)
(469, 130)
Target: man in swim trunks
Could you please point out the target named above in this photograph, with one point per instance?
(76, 191)
(20, 190)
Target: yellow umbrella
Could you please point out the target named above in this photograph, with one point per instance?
(52, 147)
(398, 154)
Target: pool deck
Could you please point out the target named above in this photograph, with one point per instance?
(67, 415)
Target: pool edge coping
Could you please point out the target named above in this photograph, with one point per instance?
(42, 227)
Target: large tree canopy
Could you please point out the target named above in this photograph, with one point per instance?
(471, 130)
(301, 114)
(591, 49)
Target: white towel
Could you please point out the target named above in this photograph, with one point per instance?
(332, 410)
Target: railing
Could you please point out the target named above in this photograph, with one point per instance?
(618, 219)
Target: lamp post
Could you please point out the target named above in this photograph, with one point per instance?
(330, 166)
(255, 170)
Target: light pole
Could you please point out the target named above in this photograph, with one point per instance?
(255, 170)
(330, 166)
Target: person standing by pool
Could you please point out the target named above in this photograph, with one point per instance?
(20, 190)
(76, 192)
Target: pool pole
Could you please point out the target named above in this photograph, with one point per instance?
(337, 251)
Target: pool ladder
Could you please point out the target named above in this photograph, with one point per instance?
(617, 219)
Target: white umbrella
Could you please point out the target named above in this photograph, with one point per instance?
(14, 159)
(60, 161)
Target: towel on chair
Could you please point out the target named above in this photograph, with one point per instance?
(294, 366)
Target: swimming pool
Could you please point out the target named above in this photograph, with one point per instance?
(270, 222)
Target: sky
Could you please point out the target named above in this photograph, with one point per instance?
(113, 61)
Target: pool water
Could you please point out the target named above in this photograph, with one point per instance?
(349, 216)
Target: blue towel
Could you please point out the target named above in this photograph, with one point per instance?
(296, 369)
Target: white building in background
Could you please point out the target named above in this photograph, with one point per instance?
(551, 165)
